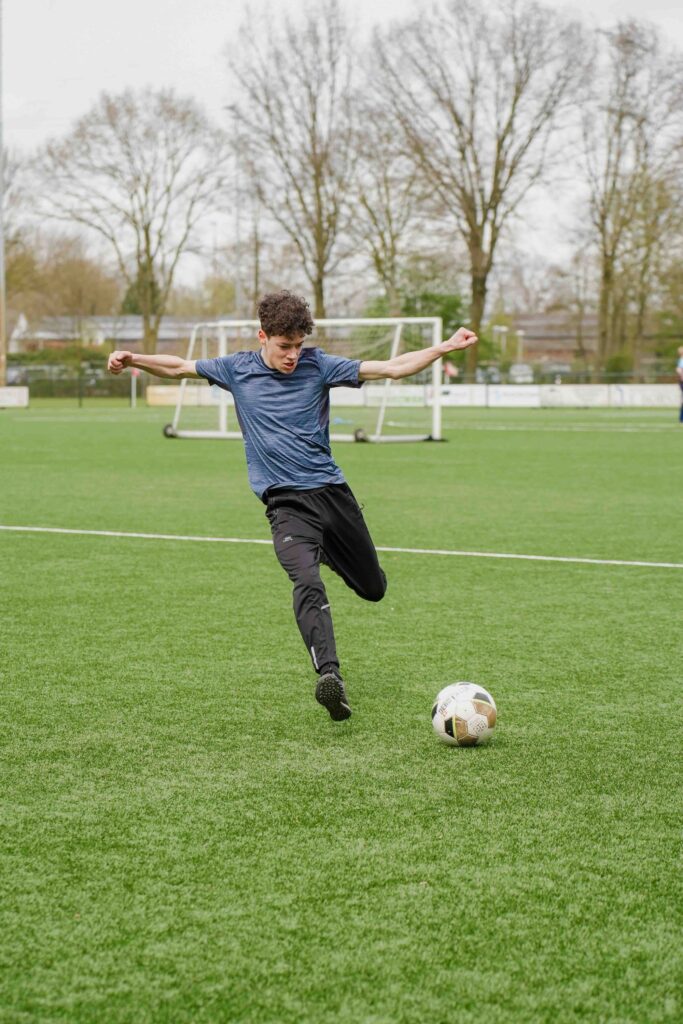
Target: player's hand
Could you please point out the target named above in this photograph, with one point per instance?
(461, 339)
(118, 361)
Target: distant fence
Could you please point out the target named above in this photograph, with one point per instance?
(60, 381)
(494, 396)
(562, 396)
(63, 382)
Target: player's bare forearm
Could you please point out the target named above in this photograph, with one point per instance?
(412, 362)
(158, 366)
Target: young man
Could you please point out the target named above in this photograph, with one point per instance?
(679, 374)
(281, 396)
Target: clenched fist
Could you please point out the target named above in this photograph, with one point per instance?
(461, 339)
(118, 361)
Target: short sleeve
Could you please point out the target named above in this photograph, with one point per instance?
(216, 371)
(338, 371)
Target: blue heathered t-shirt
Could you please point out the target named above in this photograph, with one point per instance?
(284, 417)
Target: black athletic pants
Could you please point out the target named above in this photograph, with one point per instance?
(322, 525)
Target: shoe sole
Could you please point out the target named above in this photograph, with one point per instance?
(331, 694)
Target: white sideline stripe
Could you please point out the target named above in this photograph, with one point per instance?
(400, 551)
(646, 428)
(136, 536)
(534, 558)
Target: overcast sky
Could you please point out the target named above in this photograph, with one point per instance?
(60, 54)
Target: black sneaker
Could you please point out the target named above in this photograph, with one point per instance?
(331, 694)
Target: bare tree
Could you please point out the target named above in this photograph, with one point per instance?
(74, 281)
(55, 275)
(579, 298)
(252, 252)
(14, 197)
(294, 113)
(13, 204)
(141, 170)
(387, 199)
(476, 91)
(633, 144)
(658, 220)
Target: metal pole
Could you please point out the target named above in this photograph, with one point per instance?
(387, 383)
(3, 313)
(437, 380)
(223, 398)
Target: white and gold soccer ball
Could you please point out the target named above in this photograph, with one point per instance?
(464, 714)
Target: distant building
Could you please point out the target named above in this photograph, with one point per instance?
(121, 331)
(555, 337)
(541, 337)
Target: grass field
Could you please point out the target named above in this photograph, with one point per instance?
(185, 835)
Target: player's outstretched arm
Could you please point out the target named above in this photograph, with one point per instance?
(159, 366)
(412, 362)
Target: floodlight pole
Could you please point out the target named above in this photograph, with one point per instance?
(3, 315)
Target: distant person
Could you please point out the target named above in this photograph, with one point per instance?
(282, 399)
(679, 374)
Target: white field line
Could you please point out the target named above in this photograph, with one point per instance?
(597, 428)
(620, 425)
(390, 550)
(574, 428)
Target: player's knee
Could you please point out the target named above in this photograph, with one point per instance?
(378, 589)
(307, 579)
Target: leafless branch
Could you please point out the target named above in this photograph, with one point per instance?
(140, 170)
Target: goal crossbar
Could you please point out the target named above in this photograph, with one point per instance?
(222, 330)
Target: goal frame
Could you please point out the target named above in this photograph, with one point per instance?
(221, 328)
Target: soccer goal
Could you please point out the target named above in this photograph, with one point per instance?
(390, 410)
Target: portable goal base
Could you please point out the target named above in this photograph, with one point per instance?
(358, 435)
(359, 338)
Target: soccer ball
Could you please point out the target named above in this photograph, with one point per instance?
(464, 714)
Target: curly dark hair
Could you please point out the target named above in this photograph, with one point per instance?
(285, 315)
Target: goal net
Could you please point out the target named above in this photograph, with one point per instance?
(386, 410)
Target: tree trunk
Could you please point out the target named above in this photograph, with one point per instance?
(393, 300)
(148, 296)
(580, 349)
(319, 297)
(641, 309)
(150, 334)
(478, 305)
(604, 304)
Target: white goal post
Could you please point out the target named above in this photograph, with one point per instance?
(366, 413)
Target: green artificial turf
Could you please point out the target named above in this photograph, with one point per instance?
(186, 836)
